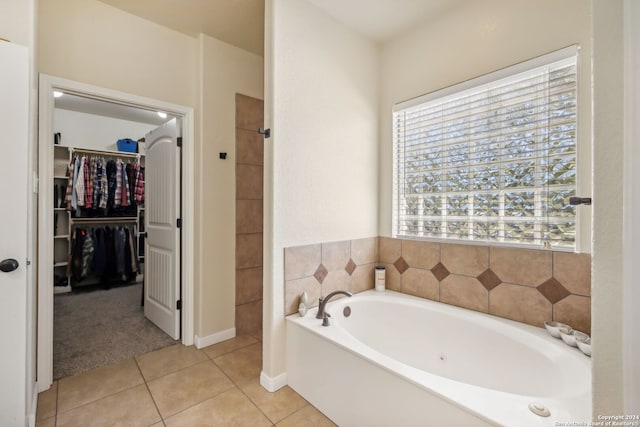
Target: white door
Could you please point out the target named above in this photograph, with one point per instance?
(14, 110)
(162, 244)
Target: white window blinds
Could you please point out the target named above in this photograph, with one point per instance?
(491, 161)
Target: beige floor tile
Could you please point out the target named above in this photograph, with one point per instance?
(228, 346)
(306, 417)
(242, 365)
(180, 390)
(167, 360)
(47, 401)
(277, 405)
(132, 407)
(231, 408)
(96, 384)
(47, 422)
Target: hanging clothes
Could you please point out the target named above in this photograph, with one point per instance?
(80, 180)
(108, 253)
(88, 182)
(99, 187)
(139, 186)
(69, 192)
(111, 183)
(87, 254)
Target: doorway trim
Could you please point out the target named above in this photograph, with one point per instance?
(45, 198)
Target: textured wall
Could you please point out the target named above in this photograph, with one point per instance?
(608, 233)
(321, 162)
(471, 39)
(226, 71)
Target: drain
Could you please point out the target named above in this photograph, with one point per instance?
(346, 311)
(539, 409)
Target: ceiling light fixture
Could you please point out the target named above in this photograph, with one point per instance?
(162, 115)
(57, 94)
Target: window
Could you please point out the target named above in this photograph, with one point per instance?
(493, 159)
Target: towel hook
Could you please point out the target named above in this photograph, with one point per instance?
(265, 132)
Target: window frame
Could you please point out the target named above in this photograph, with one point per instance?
(476, 83)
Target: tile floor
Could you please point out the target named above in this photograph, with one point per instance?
(177, 386)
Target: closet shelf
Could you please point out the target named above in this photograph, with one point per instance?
(60, 177)
(107, 153)
(61, 264)
(105, 220)
(61, 289)
(64, 236)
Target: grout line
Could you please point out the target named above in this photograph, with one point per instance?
(240, 388)
(252, 402)
(149, 391)
(230, 351)
(100, 398)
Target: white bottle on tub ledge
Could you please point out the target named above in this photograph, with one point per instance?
(303, 307)
(380, 278)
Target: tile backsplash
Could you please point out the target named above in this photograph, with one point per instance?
(524, 285)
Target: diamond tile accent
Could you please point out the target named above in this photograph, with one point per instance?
(440, 271)
(401, 265)
(351, 266)
(553, 290)
(321, 273)
(489, 279)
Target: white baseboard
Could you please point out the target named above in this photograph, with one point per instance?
(201, 342)
(273, 384)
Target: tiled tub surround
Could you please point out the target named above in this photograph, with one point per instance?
(323, 268)
(525, 285)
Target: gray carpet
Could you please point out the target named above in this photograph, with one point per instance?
(98, 327)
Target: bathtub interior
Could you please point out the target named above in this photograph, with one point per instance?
(462, 345)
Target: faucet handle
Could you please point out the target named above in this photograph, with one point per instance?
(320, 309)
(325, 319)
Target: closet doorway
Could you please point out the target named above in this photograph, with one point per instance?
(147, 229)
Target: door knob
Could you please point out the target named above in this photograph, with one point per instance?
(8, 265)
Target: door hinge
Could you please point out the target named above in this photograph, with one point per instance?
(179, 223)
(179, 304)
(179, 141)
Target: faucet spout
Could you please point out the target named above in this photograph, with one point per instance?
(325, 300)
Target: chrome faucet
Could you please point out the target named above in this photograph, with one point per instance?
(322, 314)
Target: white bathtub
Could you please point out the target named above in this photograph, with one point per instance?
(398, 360)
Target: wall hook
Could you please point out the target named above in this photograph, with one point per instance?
(265, 132)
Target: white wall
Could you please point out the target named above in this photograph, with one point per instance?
(96, 132)
(91, 42)
(17, 21)
(321, 161)
(631, 231)
(471, 39)
(226, 70)
(607, 306)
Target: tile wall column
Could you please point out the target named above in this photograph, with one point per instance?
(249, 214)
